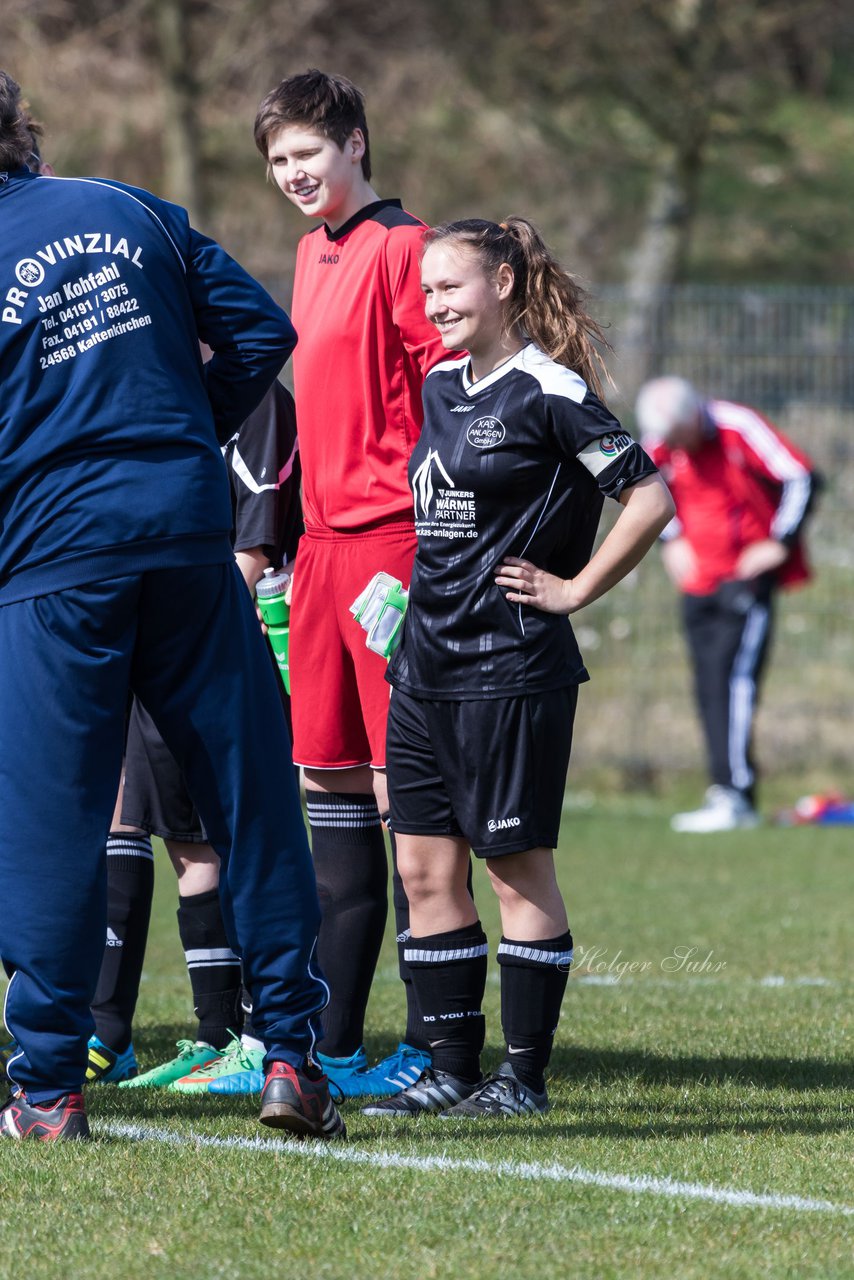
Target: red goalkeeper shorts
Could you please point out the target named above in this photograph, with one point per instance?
(339, 694)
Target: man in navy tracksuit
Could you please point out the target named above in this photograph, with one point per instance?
(116, 572)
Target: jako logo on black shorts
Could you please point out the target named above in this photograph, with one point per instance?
(501, 824)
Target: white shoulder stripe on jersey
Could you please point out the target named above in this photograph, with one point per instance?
(602, 452)
(554, 379)
(101, 182)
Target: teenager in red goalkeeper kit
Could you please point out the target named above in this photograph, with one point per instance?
(365, 347)
(742, 493)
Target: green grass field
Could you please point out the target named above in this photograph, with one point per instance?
(719, 1064)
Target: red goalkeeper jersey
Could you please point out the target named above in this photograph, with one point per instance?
(365, 346)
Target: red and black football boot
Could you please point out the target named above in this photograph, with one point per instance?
(299, 1102)
(58, 1121)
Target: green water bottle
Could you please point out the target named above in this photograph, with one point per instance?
(270, 592)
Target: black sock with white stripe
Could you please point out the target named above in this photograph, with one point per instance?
(213, 967)
(416, 1032)
(533, 981)
(449, 974)
(348, 848)
(130, 886)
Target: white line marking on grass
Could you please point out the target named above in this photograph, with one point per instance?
(526, 1171)
(776, 980)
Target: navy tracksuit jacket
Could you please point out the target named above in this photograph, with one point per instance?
(116, 572)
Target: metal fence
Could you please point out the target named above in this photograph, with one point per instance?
(788, 352)
(770, 347)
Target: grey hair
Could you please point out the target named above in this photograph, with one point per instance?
(665, 403)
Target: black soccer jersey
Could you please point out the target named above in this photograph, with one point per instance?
(515, 464)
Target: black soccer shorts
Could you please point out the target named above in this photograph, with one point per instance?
(491, 770)
(155, 794)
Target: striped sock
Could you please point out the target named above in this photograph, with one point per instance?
(213, 967)
(449, 974)
(533, 981)
(348, 848)
(130, 886)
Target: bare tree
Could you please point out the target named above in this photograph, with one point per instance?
(649, 84)
(180, 92)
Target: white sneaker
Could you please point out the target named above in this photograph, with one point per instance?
(724, 810)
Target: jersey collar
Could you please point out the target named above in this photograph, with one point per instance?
(363, 215)
(512, 362)
(7, 174)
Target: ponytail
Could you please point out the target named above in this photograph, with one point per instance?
(546, 303)
(15, 141)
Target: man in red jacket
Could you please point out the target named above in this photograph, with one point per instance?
(742, 493)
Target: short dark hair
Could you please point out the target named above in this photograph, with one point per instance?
(15, 138)
(330, 104)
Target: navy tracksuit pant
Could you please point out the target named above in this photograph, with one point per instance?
(188, 643)
(728, 634)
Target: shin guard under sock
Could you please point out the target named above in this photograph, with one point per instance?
(130, 886)
(415, 1033)
(449, 975)
(348, 849)
(213, 967)
(533, 981)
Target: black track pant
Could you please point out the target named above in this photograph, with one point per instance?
(728, 637)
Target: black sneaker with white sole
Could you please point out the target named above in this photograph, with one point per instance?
(433, 1092)
(502, 1095)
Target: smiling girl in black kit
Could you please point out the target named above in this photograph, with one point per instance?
(509, 476)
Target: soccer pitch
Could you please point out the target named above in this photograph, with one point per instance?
(701, 1085)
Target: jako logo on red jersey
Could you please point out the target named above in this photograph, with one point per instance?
(486, 433)
(329, 258)
(616, 442)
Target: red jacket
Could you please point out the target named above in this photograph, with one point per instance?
(746, 482)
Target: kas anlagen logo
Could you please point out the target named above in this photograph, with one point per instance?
(486, 433)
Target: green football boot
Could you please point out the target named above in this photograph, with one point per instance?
(236, 1058)
(192, 1056)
